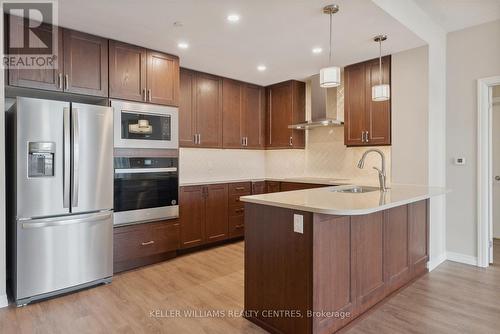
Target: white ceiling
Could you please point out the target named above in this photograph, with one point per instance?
(277, 33)
(459, 14)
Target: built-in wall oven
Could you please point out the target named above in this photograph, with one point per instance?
(145, 189)
(140, 125)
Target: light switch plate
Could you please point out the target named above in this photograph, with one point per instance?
(298, 223)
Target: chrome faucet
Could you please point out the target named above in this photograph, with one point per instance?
(381, 172)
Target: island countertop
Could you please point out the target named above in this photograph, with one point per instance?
(326, 201)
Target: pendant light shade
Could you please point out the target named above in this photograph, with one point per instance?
(330, 76)
(380, 92)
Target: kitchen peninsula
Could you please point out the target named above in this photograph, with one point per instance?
(324, 256)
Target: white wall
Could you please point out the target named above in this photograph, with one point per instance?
(472, 53)
(410, 121)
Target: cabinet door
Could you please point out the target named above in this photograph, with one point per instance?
(396, 241)
(85, 63)
(48, 79)
(354, 104)
(367, 241)
(272, 187)
(232, 113)
(279, 115)
(192, 215)
(253, 116)
(208, 106)
(298, 113)
(419, 236)
(162, 78)
(378, 114)
(165, 236)
(187, 118)
(258, 187)
(216, 214)
(127, 71)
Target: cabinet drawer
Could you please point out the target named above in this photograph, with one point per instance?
(236, 210)
(235, 199)
(166, 236)
(240, 188)
(132, 242)
(236, 226)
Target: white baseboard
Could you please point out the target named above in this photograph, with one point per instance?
(3, 301)
(462, 258)
(434, 263)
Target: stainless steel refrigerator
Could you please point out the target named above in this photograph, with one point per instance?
(62, 191)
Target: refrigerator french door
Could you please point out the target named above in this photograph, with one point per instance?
(63, 197)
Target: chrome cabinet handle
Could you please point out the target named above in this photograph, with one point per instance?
(147, 243)
(290, 141)
(66, 82)
(497, 178)
(144, 97)
(149, 95)
(195, 139)
(199, 138)
(366, 136)
(60, 81)
(246, 141)
(76, 156)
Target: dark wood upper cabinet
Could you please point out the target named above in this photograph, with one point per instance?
(162, 78)
(285, 106)
(139, 74)
(85, 63)
(367, 123)
(200, 110)
(253, 114)
(187, 117)
(47, 79)
(208, 106)
(243, 111)
(232, 111)
(127, 71)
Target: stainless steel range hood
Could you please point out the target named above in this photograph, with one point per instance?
(324, 109)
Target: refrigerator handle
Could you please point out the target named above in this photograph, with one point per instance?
(66, 157)
(76, 157)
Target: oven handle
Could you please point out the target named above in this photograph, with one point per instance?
(144, 170)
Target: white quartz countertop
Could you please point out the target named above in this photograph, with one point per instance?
(325, 201)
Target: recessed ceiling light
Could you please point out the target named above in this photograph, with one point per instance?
(233, 17)
(317, 50)
(261, 68)
(183, 45)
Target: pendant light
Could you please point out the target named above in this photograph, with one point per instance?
(380, 92)
(330, 76)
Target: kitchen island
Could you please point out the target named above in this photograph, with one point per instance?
(316, 259)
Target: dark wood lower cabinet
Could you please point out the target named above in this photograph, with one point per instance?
(142, 244)
(289, 186)
(216, 213)
(342, 265)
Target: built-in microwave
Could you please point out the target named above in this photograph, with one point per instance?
(140, 125)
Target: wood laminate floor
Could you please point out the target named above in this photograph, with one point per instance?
(454, 298)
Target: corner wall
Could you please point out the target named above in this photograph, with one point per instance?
(472, 53)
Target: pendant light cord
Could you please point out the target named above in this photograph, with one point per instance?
(380, 61)
(330, 53)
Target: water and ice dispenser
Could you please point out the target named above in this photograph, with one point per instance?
(41, 159)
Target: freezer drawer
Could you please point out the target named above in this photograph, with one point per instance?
(58, 253)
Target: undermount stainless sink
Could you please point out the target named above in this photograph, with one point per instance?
(355, 189)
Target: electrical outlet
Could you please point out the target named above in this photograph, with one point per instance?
(298, 223)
